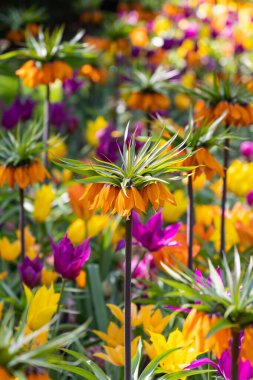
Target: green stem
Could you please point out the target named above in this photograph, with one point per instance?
(46, 126)
(22, 222)
(58, 307)
(235, 353)
(190, 222)
(224, 198)
(127, 298)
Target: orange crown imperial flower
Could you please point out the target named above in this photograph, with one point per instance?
(19, 162)
(139, 180)
(113, 199)
(33, 73)
(225, 97)
(23, 175)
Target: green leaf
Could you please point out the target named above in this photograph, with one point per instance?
(96, 290)
(220, 325)
(89, 363)
(183, 374)
(135, 363)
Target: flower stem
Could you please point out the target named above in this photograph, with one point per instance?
(224, 197)
(46, 129)
(190, 222)
(127, 298)
(22, 221)
(235, 355)
(149, 125)
(58, 307)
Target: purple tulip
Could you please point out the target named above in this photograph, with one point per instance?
(19, 110)
(57, 114)
(151, 235)
(69, 260)
(72, 85)
(249, 198)
(30, 271)
(247, 149)
(108, 145)
(223, 366)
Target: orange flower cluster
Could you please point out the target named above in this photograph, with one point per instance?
(79, 206)
(38, 376)
(4, 375)
(148, 101)
(205, 163)
(237, 114)
(247, 344)
(196, 327)
(94, 74)
(94, 17)
(122, 201)
(179, 253)
(23, 175)
(33, 75)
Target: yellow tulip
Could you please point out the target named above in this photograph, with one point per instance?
(153, 320)
(1, 309)
(80, 230)
(9, 251)
(240, 177)
(92, 128)
(42, 306)
(42, 203)
(48, 277)
(177, 360)
(115, 355)
(57, 148)
(161, 25)
(171, 213)
(231, 235)
(31, 248)
(114, 336)
(182, 101)
(205, 214)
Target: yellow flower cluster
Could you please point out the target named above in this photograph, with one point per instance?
(43, 196)
(240, 178)
(149, 318)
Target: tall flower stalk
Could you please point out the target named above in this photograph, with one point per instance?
(190, 222)
(20, 165)
(127, 297)
(235, 355)
(231, 103)
(22, 221)
(224, 196)
(201, 140)
(46, 125)
(139, 181)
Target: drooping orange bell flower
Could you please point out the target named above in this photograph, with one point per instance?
(196, 327)
(34, 74)
(94, 74)
(122, 201)
(205, 163)
(237, 114)
(24, 175)
(247, 353)
(79, 206)
(148, 101)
